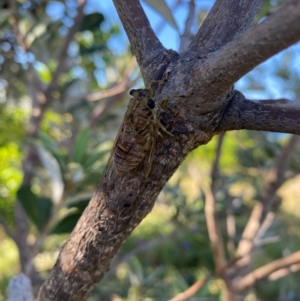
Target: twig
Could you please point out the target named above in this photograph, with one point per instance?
(231, 232)
(213, 226)
(263, 272)
(272, 270)
(273, 181)
(186, 36)
(192, 290)
(14, 23)
(267, 223)
(118, 88)
(267, 240)
(101, 109)
(215, 168)
(284, 272)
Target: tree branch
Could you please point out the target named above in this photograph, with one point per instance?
(213, 226)
(192, 290)
(146, 47)
(224, 67)
(112, 95)
(231, 232)
(14, 23)
(186, 36)
(214, 230)
(263, 272)
(119, 204)
(284, 271)
(261, 217)
(215, 172)
(226, 20)
(278, 115)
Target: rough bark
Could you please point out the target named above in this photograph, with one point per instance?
(148, 50)
(226, 20)
(201, 104)
(273, 115)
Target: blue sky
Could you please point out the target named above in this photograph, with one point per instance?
(269, 85)
(266, 83)
(167, 34)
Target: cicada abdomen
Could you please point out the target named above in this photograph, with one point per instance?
(138, 134)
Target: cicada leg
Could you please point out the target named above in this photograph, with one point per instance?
(163, 129)
(151, 89)
(152, 136)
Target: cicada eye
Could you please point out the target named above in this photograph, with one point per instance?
(131, 92)
(151, 103)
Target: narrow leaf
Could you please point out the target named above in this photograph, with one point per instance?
(53, 168)
(162, 8)
(44, 205)
(50, 145)
(29, 202)
(94, 157)
(67, 223)
(91, 22)
(80, 145)
(37, 208)
(79, 201)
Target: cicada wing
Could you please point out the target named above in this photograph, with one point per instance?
(122, 131)
(110, 160)
(153, 137)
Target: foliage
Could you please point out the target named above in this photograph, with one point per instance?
(171, 249)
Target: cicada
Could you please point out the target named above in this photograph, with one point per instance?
(136, 140)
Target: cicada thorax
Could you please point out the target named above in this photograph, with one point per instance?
(137, 137)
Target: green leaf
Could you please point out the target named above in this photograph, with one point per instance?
(44, 205)
(36, 31)
(162, 8)
(89, 50)
(94, 157)
(80, 204)
(91, 22)
(81, 145)
(43, 72)
(37, 208)
(67, 223)
(51, 165)
(50, 145)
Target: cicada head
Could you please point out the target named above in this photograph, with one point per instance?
(134, 93)
(151, 103)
